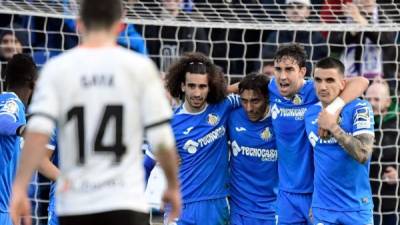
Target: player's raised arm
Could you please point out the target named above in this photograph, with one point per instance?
(354, 88)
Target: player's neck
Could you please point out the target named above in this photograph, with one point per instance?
(191, 109)
(22, 94)
(325, 104)
(98, 39)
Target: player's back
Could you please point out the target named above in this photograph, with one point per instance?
(10, 146)
(101, 98)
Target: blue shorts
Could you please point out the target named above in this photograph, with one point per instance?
(237, 219)
(293, 208)
(330, 217)
(53, 218)
(5, 218)
(207, 212)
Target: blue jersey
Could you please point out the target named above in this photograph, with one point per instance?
(254, 166)
(202, 146)
(341, 183)
(295, 160)
(10, 146)
(54, 159)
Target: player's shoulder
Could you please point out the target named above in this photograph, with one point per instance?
(313, 109)
(237, 113)
(6, 97)
(133, 59)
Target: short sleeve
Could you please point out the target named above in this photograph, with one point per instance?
(155, 108)
(44, 107)
(233, 101)
(363, 119)
(11, 108)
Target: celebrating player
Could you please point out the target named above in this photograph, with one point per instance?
(342, 192)
(290, 96)
(253, 164)
(199, 125)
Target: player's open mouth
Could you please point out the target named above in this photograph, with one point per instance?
(284, 85)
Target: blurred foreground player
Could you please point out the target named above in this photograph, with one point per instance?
(106, 105)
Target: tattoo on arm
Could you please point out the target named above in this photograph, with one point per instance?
(359, 147)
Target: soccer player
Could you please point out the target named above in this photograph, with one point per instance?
(101, 107)
(199, 125)
(290, 96)
(342, 192)
(20, 80)
(253, 164)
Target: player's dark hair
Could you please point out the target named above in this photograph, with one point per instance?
(256, 82)
(198, 63)
(293, 51)
(20, 71)
(331, 63)
(100, 14)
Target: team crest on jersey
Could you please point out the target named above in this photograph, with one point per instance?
(10, 107)
(212, 119)
(266, 134)
(191, 146)
(297, 100)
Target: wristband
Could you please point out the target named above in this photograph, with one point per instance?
(336, 105)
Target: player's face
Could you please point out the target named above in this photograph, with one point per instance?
(254, 103)
(289, 76)
(328, 84)
(196, 90)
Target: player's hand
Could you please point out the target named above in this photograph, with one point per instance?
(172, 197)
(326, 122)
(390, 175)
(323, 133)
(20, 207)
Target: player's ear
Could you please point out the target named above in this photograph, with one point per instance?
(79, 26)
(303, 71)
(183, 87)
(342, 84)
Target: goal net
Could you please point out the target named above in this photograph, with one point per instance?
(241, 37)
